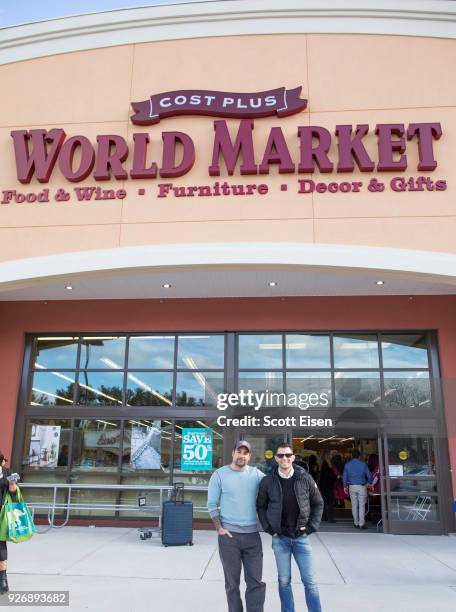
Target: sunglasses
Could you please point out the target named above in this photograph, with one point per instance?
(282, 455)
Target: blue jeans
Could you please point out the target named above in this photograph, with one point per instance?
(301, 550)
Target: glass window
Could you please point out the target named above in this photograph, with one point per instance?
(201, 352)
(96, 445)
(99, 352)
(404, 351)
(46, 444)
(407, 390)
(308, 385)
(261, 382)
(149, 389)
(52, 389)
(184, 449)
(307, 351)
(415, 454)
(414, 508)
(96, 499)
(100, 388)
(198, 388)
(357, 389)
(356, 351)
(146, 445)
(187, 453)
(261, 351)
(151, 352)
(56, 353)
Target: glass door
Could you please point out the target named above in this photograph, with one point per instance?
(411, 483)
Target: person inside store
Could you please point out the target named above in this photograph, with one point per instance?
(337, 466)
(301, 462)
(314, 470)
(373, 490)
(5, 486)
(232, 494)
(356, 477)
(290, 507)
(326, 485)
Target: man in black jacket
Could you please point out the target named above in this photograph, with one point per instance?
(289, 507)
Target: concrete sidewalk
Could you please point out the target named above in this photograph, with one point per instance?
(111, 569)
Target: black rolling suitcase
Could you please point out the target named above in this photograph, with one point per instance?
(177, 519)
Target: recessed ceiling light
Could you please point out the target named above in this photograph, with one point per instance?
(272, 284)
(166, 286)
(69, 288)
(380, 283)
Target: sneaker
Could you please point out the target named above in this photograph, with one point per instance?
(355, 526)
(363, 526)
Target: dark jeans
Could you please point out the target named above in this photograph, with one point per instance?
(3, 551)
(243, 549)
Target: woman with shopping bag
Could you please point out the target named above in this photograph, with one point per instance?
(16, 524)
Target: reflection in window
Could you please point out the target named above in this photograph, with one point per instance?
(100, 352)
(46, 443)
(407, 390)
(404, 351)
(419, 507)
(56, 353)
(149, 388)
(311, 383)
(96, 445)
(52, 389)
(151, 352)
(261, 382)
(357, 389)
(201, 352)
(146, 445)
(100, 388)
(356, 351)
(198, 388)
(262, 351)
(307, 351)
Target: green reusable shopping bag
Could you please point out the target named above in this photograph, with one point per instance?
(16, 523)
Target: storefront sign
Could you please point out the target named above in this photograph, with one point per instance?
(234, 150)
(280, 102)
(197, 445)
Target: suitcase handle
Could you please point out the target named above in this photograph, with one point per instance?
(177, 493)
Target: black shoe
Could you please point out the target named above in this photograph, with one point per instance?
(3, 582)
(355, 526)
(363, 526)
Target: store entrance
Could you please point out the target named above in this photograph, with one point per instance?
(325, 457)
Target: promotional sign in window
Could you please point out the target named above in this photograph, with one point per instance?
(197, 445)
(44, 445)
(146, 447)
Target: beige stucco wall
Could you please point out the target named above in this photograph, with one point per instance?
(346, 78)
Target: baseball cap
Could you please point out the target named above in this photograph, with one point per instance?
(243, 443)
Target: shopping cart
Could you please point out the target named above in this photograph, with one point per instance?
(149, 504)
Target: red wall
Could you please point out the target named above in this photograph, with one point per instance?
(328, 313)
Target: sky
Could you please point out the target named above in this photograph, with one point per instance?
(14, 12)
